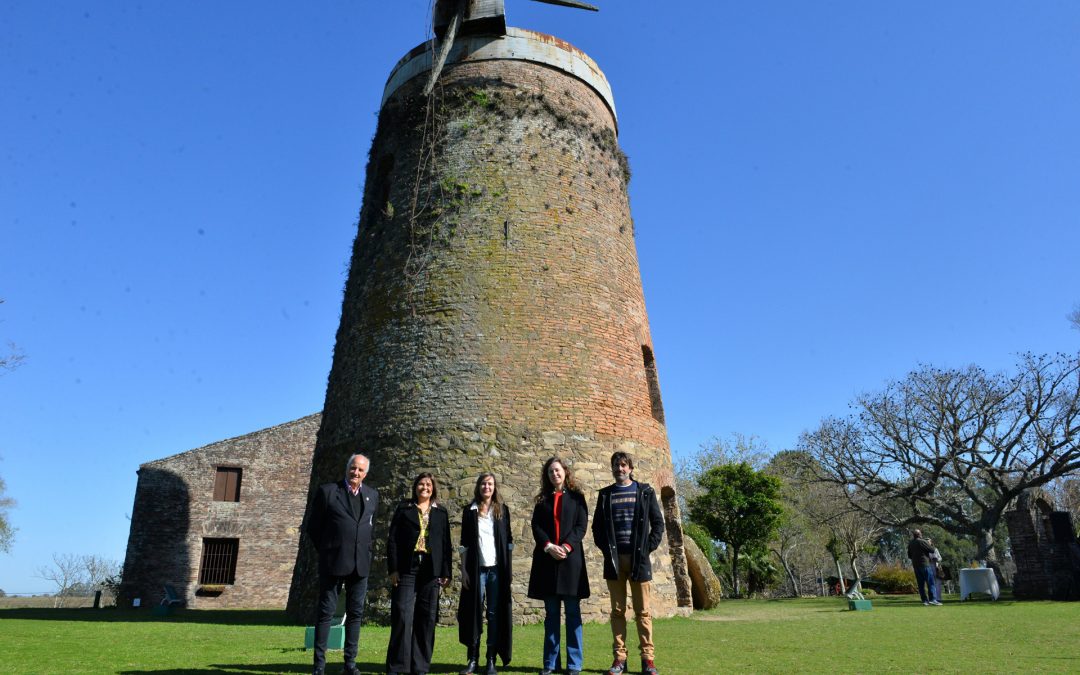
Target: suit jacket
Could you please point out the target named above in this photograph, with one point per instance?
(404, 531)
(559, 577)
(342, 538)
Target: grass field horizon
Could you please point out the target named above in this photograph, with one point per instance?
(767, 636)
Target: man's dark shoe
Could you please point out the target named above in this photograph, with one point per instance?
(351, 670)
(319, 671)
(470, 667)
(648, 667)
(617, 668)
(490, 670)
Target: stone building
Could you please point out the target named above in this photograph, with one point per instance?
(1045, 549)
(493, 314)
(221, 523)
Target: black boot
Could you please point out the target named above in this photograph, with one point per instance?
(471, 666)
(491, 663)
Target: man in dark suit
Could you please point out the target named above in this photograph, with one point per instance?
(340, 525)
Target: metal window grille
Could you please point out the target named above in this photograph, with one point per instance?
(218, 561)
(227, 484)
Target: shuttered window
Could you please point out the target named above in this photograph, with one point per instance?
(227, 484)
(218, 561)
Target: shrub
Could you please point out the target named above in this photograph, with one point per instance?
(704, 542)
(894, 578)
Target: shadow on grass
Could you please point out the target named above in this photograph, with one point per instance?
(252, 669)
(231, 617)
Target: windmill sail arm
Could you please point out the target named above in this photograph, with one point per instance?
(571, 3)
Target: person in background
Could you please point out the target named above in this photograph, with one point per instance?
(919, 550)
(339, 524)
(935, 562)
(418, 557)
(558, 575)
(486, 544)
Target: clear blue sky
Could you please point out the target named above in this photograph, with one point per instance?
(825, 193)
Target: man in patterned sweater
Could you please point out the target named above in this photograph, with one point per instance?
(627, 527)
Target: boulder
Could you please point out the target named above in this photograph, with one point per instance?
(704, 586)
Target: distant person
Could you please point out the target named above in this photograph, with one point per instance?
(919, 550)
(558, 575)
(340, 525)
(627, 527)
(487, 541)
(418, 557)
(935, 563)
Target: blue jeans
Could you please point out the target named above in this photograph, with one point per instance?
(924, 577)
(552, 625)
(489, 598)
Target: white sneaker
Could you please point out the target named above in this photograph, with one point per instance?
(935, 602)
(926, 604)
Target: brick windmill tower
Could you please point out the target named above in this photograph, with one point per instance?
(493, 314)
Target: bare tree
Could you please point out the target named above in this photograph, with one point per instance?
(67, 573)
(953, 447)
(7, 532)
(98, 570)
(1074, 317)
(12, 357)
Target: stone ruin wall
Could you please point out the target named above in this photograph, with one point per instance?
(1045, 550)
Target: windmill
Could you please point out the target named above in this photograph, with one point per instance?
(473, 16)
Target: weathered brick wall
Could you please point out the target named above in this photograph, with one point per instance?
(174, 510)
(494, 314)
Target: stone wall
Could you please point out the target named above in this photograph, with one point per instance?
(1044, 547)
(494, 314)
(174, 512)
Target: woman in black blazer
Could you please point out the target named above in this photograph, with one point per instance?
(418, 556)
(558, 575)
(486, 543)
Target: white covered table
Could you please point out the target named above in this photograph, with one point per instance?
(978, 580)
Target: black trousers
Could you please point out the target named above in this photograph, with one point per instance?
(414, 609)
(355, 592)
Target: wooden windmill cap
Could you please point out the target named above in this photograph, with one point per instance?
(517, 45)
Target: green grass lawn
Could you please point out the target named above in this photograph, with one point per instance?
(780, 636)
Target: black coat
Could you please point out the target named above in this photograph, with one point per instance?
(405, 530)
(470, 618)
(549, 576)
(342, 540)
(645, 535)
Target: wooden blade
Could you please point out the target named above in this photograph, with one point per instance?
(571, 3)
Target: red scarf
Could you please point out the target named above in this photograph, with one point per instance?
(558, 516)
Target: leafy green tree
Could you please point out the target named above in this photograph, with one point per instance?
(718, 451)
(739, 507)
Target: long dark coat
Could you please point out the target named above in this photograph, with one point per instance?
(470, 617)
(548, 576)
